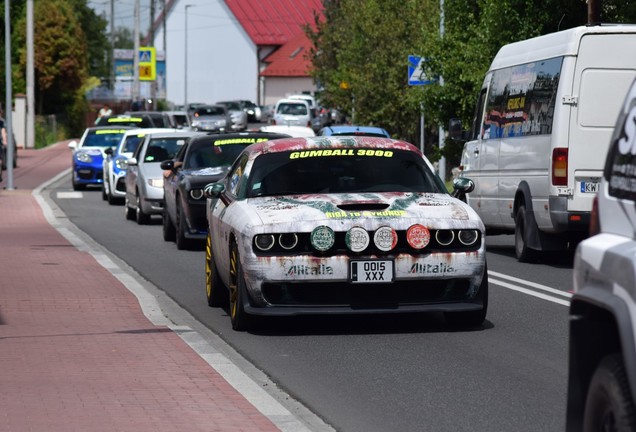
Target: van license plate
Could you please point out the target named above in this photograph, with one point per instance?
(589, 187)
(371, 271)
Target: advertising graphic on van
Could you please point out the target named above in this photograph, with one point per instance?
(543, 124)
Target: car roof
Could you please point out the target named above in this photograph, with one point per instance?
(110, 127)
(146, 131)
(328, 142)
(292, 130)
(235, 138)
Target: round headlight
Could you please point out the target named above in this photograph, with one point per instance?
(468, 237)
(288, 240)
(418, 236)
(196, 193)
(84, 157)
(385, 238)
(444, 237)
(264, 241)
(357, 239)
(322, 238)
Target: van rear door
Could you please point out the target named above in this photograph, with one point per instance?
(605, 68)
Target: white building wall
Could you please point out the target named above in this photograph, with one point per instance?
(278, 88)
(222, 62)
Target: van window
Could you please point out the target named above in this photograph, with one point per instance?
(522, 99)
(292, 108)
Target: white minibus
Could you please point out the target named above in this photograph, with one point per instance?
(542, 126)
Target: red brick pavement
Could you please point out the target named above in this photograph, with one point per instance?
(76, 351)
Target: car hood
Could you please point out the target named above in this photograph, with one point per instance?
(400, 210)
(199, 177)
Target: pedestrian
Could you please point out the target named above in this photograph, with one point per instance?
(103, 112)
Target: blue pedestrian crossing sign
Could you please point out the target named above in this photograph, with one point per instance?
(147, 64)
(417, 74)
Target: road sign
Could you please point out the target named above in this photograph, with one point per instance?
(417, 74)
(147, 64)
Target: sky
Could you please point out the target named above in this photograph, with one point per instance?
(125, 12)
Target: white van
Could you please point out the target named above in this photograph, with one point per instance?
(293, 112)
(542, 127)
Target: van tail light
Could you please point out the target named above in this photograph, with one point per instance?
(560, 167)
(273, 121)
(309, 123)
(595, 223)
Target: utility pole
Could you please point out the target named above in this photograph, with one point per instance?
(593, 12)
(135, 87)
(30, 77)
(441, 141)
(113, 72)
(153, 84)
(9, 96)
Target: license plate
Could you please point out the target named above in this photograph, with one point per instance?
(589, 187)
(371, 271)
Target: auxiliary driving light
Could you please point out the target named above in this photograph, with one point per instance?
(322, 238)
(357, 239)
(385, 238)
(418, 236)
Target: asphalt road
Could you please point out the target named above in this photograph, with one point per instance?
(382, 373)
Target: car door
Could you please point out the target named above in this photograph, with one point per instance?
(132, 171)
(171, 183)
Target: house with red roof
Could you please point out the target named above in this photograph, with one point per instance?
(235, 49)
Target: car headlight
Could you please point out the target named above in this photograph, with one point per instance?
(264, 241)
(196, 193)
(195, 123)
(83, 157)
(156, 182)
(121, 163)
(468, 237)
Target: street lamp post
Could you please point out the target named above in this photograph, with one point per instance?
(185, 62)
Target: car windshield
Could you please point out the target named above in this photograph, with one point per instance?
(210, 111)
(359, 133)
(233, 106)
(103, 138)
(211, 155)
(349, 171)
(161, 149)
(292, 109)
(131, 142)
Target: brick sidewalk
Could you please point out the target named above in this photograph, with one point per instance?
(76, 351)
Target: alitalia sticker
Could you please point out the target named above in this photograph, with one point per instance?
(290, 269)
(440, 268)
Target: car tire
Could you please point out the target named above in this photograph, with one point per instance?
(215, 290)
(609, 405)
(141, 217)
(128, 212)
(181, 227)
(472, 318)
(523, 252)
(240, 319)
(169, 232)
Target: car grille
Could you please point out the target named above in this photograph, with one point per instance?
(89, 174)
(366, 295)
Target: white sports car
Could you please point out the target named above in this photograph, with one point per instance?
(343, 225)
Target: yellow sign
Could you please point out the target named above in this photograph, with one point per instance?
(147, 64)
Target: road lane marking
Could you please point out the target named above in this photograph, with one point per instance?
(531, 284)
(529, 292)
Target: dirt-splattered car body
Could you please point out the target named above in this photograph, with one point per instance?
(341, 225)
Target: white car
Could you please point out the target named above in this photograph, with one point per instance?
(294, 131)
(237, 115)
(602, 368)
(342, 225)
(144, 176)
(114, 166)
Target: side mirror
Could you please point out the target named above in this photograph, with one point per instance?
(109, 151)
(213, 190)
(132, 161)
(167, 165)
(72, 145)
(462, 186)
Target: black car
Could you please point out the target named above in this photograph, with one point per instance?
(203, 160)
